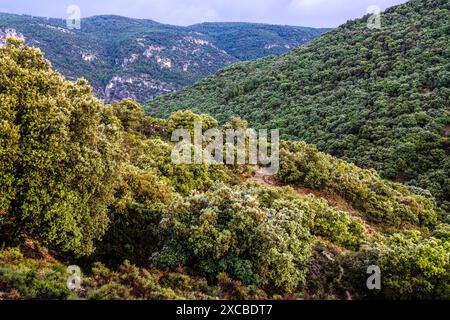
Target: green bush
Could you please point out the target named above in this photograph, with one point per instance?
(26, 278)
(132, 283)
(380, 201)
(226, 230)
(187, 119)
(130, 114)
(336, 226)
(411, 268)
(57, 155)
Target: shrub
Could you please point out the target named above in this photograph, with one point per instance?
(130, 114)
(132, 283)
(187, 119)
(325, 221)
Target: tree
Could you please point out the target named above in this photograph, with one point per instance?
(57, 154)
(130, 113)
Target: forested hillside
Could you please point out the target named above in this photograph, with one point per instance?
(131, 58)
(250, 41)
(88, 184)
(377, 98)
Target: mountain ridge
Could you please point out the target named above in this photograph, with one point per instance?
(140, 58)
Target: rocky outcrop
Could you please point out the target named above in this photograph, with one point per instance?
(9, 33)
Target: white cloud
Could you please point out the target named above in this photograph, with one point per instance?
(315, 13)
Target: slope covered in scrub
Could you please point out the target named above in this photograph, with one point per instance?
(93, 185)
(376, 97)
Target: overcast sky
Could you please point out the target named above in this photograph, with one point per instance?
(313, 13)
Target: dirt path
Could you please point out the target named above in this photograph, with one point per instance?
(332, 199)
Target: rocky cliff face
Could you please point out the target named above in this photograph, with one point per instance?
(143, 59)
(145, 69)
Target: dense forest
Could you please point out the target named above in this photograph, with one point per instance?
(250, 41)
(141, 59)
(378, 98)
(93, 185)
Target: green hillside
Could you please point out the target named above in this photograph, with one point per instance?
(88, 184)
(377, 98)
(250, 41)
(141, 59)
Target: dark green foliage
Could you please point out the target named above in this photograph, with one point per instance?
(26, 278)
(135, 215)
(132, 283)
(377, 98)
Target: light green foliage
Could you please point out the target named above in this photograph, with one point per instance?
(325, 221)
(130, 113)
(57, 154)
(416, 268)
(28, 278)
(380, 201)
(376, 97)
(187, 119)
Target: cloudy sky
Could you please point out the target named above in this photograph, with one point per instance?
(313, 13)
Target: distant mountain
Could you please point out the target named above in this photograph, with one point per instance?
(375, 97)
(249, 41)
(141, 59)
